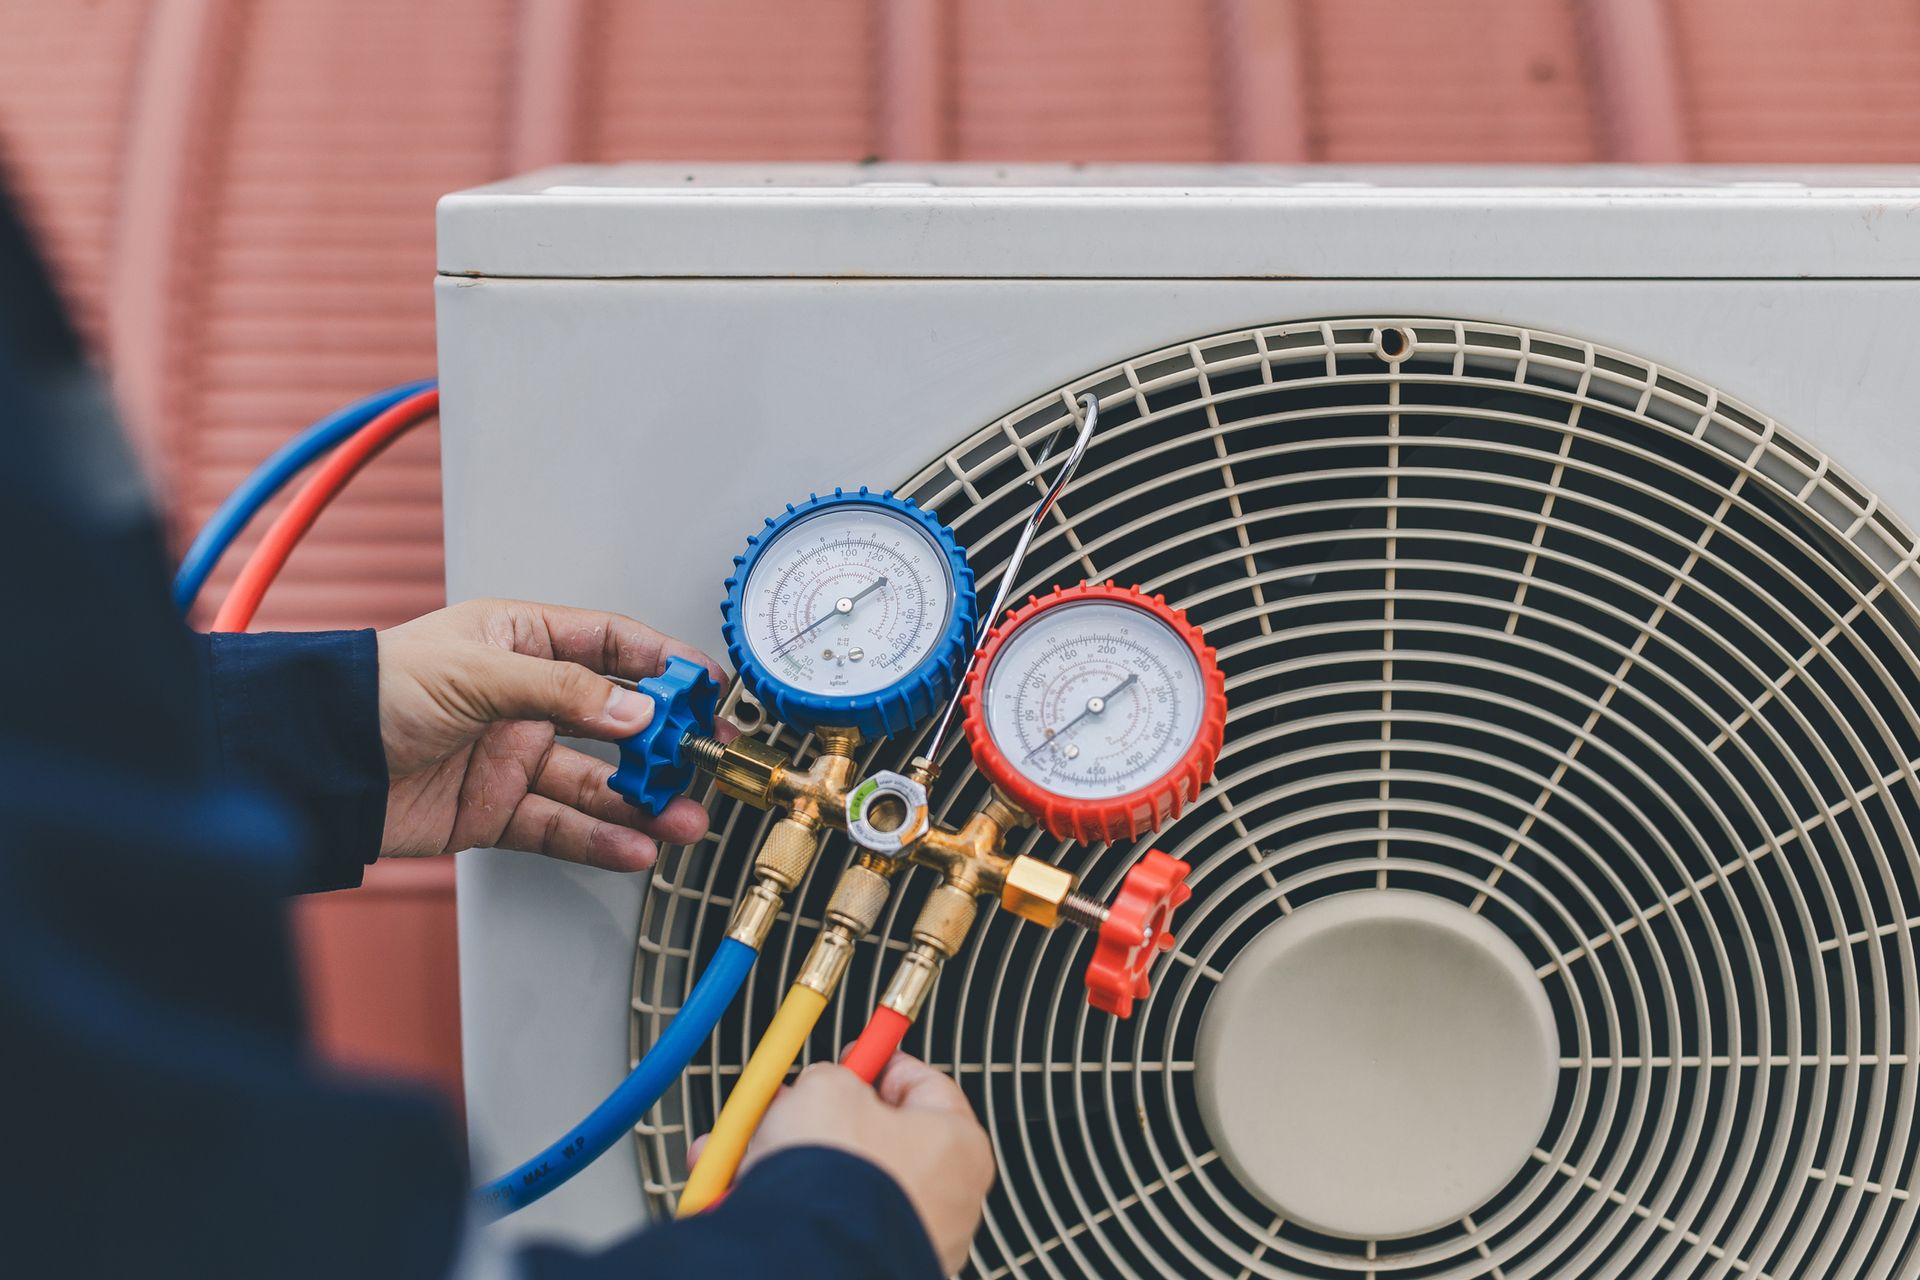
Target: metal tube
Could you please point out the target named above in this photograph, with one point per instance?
(1090, 409)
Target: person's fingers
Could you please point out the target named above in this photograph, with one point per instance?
(908, 1082)
(488, 684)
(578, 779)
(544, 826)
(614, 644)
(694, 1149)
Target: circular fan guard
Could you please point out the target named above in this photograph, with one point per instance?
(1538, 627)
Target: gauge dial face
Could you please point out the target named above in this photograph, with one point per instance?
(1093, 700)
(847, 601)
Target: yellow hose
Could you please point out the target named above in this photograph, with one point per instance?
(766, 1069)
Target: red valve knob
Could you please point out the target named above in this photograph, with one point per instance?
(1135, 932)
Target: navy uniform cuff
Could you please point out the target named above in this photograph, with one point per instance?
(808, 1213)
(297, 714)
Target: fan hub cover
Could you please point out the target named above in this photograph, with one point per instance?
(1378, 1064)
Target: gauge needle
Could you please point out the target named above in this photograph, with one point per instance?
(1094, 707)
(841, 608)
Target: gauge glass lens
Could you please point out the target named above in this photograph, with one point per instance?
(1095, 699)
(847, 601)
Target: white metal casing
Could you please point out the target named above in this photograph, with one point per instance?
(639, 362)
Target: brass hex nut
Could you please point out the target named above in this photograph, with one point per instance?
(747, 770)
(1034, 890)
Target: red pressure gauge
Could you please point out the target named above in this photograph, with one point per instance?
(1097, 709)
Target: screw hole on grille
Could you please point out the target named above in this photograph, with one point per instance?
(1393, 343)
(1544, 634)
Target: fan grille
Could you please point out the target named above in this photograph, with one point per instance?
(1537, 627)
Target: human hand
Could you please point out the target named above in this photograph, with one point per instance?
(471, 700)
(914, 1123)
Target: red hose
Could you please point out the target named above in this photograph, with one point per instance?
(876, 1046)
(264, 565)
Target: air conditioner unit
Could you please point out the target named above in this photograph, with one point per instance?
(1555, 903)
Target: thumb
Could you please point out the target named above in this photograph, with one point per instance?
(503, 685)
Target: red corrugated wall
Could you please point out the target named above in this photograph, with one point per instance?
(239, 198)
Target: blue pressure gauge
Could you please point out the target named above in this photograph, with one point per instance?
(853, 610)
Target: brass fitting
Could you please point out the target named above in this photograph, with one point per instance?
(763, 776)
(757, 774)
(1034, 890)
(971, 857)
(753, 915)
(787, 852)
(827, 960)
(746, 768)
(912, 982)
(971, 863)
(859, 898)
(945, 919)
(820, 792)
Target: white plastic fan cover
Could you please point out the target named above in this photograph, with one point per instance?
(1554, 905)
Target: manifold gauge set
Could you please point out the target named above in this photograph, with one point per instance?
(1096, 711)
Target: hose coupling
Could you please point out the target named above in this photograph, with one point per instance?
(827, 960)
(753, 915)
(858, 899)
(945, 919)
(787, 852)
(912, 981)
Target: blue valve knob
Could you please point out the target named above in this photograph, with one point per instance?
(653, 763)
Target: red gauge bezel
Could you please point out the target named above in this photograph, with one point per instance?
(1137, 812)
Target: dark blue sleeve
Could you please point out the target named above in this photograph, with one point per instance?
(813, 1213)
(162, 1113)
(297, 714)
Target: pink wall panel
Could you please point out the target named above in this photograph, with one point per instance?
(731, 79)
(238, 195)
(1772, 80)
(315, 267)
(1447, 80)
(64, 90)
(1084, 80)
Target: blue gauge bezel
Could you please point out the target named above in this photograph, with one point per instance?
(884, 712)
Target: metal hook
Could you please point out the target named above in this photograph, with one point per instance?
(1090, 415)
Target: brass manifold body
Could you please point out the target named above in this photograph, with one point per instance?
(969, 859)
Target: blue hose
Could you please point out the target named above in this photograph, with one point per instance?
(607, 1123)
(226, 524)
